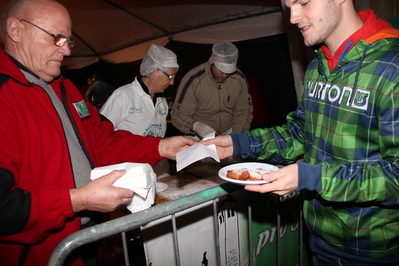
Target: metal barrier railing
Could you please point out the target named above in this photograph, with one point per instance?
(170, 208)
(125, 223)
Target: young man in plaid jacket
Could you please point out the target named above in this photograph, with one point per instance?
(346, 130)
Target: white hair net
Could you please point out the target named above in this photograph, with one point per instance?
(158, 57)
(224, 56)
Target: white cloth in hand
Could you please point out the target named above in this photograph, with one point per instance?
(139, 177)
(196, 152)
(202, 129)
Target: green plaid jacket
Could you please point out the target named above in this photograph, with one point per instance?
(346, 128)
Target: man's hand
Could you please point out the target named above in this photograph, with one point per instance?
(224, 145)
(168, 147)
(202, 129)
(100, 194)
(282, 182)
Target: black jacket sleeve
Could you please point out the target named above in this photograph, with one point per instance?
(14, 205)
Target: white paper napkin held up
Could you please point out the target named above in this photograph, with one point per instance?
(196, 152)
(139, 177)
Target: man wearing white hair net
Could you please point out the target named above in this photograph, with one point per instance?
(140, 107)
(214, 96)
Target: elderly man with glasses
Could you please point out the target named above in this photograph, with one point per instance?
(51, 138)
(140, 107)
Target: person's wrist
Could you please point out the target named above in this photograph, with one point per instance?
(192, 126)
(76, 200)
(162, 148)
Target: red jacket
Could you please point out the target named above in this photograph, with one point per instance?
(35, 169)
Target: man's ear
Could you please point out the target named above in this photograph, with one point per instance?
(14, 29)
(153, 74)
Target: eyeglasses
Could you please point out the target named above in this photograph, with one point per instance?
(170, 77)
(59, 39)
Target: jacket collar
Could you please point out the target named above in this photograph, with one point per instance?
(372, 25)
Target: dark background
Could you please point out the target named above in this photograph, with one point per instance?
(267, 59)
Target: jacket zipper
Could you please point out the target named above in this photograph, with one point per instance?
(75, 127)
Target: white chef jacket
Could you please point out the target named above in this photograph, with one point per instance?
(131, 108)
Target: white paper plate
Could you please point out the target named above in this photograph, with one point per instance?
(160, 186)
(251, 166)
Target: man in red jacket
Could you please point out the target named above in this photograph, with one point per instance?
(51, 138)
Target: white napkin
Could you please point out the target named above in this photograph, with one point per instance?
(196, 152)
(139, 177)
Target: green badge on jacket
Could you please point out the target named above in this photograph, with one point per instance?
(82, 109)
